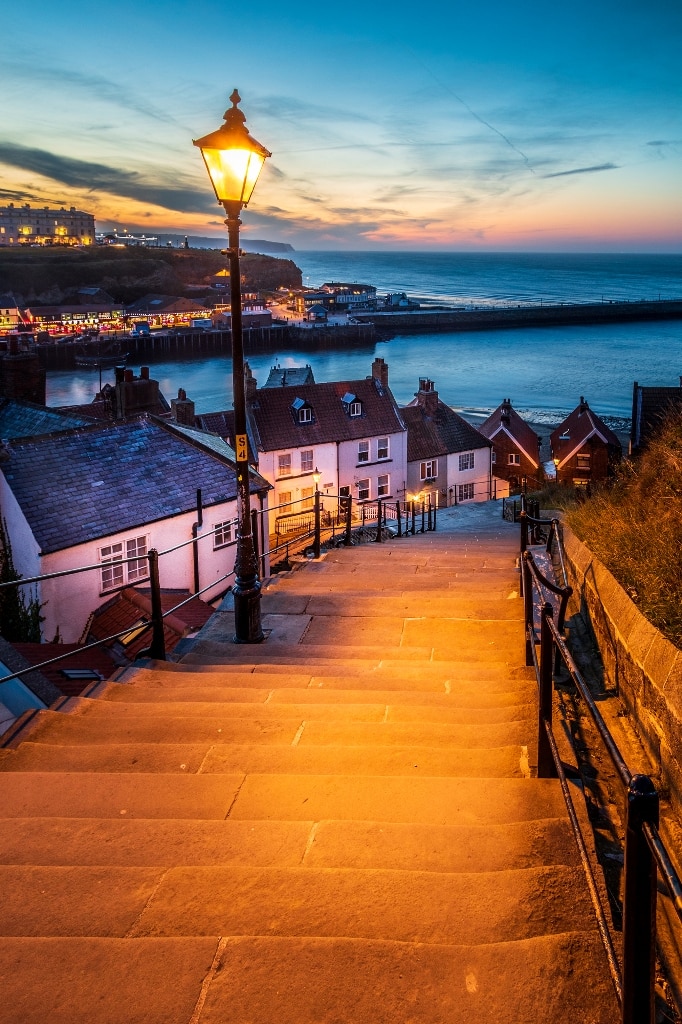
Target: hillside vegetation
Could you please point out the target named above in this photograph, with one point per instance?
(635, 529)
(50, 276)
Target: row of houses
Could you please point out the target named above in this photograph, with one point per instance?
(104, 483)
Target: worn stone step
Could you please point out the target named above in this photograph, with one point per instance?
(420, 800)
(399, 606)
(304, 981)
(505, 761)
(481, 584)
(404, 906)
(131, 842)
(497, 648)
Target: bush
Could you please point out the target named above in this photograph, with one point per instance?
(635, 529)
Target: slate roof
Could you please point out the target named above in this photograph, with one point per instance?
(650, 406)
(98, 660)
(7, 301)
(277, 427)
(220, 423)
(441, 434)
(155, 303)
(104, 479)
(26, 419)
(579, 427)
(506, 419)
(289, 376)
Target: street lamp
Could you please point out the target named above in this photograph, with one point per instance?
(556, 462)
(233, 160)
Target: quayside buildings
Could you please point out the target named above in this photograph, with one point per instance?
(30, 225)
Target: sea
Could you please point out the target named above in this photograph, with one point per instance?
(543, 370)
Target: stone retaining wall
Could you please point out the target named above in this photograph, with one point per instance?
(642, 666)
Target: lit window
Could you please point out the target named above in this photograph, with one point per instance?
(428, 470)
(466, 461)
(307, 498)
(223, 534)
(115, 571)
(466, 492)
(363, 451)
(284, 464)
(363, 490)
(307, 464)
(514, 459)
(355, 409)
(383, 486)
(382, 448)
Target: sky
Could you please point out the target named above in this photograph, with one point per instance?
(488, 126)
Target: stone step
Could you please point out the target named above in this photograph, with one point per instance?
(492, 646)
(419, 800)
(264, 980)
(358, 725)
(400, 606)
(370, 903)
(131, 842)
(484, 584)
(386, 672)
(504, 761)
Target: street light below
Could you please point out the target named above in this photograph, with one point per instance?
(233, 160)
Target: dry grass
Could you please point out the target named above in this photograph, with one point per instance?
(635, 529)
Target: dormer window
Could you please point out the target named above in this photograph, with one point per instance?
(302, 411)
(352, 405)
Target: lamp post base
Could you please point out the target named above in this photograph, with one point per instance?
(247, 617)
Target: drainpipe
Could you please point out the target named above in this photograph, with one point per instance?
(195, 546)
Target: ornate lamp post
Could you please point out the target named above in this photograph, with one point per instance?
(233, 160)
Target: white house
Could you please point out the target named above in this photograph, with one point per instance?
(447, 458)
(104, 496)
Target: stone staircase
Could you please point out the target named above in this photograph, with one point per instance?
(339, 825)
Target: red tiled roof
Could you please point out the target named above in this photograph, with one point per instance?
(127, 608)
(98, 659)
(277, 424)
(576, 429)
(506, 419)
(441, 434)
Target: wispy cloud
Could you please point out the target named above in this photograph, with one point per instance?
(93, 177)
(582, 170)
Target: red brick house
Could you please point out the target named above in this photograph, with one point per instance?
(584, 449)
(516, 447)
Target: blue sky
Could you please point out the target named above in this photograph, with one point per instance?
(489, 126)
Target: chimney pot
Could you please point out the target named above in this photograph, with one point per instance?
(144, 372)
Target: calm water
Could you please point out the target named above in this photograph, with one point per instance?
(543, 370)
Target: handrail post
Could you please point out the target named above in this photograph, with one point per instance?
(412, 507)
(398, 517)
(379, 522)
(527, 605)
(429, 520)
(349, 520)
(423, 529)
(316, 542)
(157, 648)
(546, 766)
(435, 512)
(522, 552)
(639, 905)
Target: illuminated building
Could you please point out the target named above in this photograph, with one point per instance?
(26, 225)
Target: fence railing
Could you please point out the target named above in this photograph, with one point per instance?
(350, 521)
(646, 858)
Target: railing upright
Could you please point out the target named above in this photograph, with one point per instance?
(316, 542)
(413, 523)
(399, 518)
(379, 522)
(423, 529)
(527, 593)
(639, 904)
(349, 521)
(157, 648)
(546, 766)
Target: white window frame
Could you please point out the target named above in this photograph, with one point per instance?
(224, 534)
(363, 451)
(583, 461)
(466, 492)
(513, 459)
(284, 497)
(364, 489)
(466, 461)
(307, 460)
(382, 448)
(305, 414)
(355, 409)
(493, 456)
(428, 470)
(307, 497)
(284, 464)
(116, 571)
(383, 485)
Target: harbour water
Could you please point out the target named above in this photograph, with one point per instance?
(544, 370)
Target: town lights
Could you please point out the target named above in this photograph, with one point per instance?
(233, 160)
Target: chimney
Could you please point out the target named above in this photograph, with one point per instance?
(182, 409)
(506, 411)
(427, 396)
(144, 372)
(380, 371)
(250, 384)
(583, 406)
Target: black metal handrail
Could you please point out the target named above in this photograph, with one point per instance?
(645, 852)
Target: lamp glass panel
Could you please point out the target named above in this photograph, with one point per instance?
(234, 173)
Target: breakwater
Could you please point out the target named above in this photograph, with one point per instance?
(494, 318)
